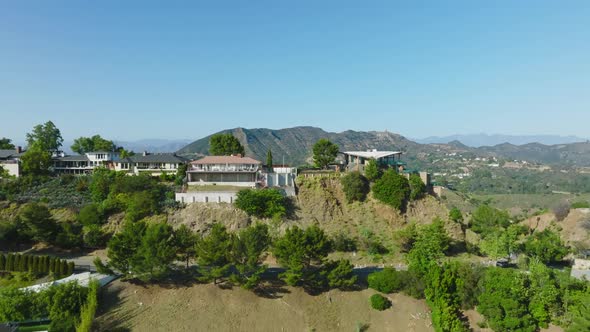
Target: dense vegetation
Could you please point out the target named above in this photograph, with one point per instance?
(267, 203)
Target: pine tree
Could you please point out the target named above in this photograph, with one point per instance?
(269, 160)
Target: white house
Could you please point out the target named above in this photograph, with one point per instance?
(225, 170)
(10, 161)
(82, 164)
(154, 164)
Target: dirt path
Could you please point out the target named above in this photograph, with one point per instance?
(209, 308)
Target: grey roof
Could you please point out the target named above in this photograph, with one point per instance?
(5, 154)
(73, 158)
(165, 158)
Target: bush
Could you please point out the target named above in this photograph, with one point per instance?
(355, 186)
(266, 203)
(546, 245)
(561, 210)
(343, 243)
(386, 281)
(372, 171)
(379, 302)
(392, 189)
(417, 187)
(581, 205)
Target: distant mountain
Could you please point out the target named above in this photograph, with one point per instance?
(295, 145)
(153, 145)
(478, 140)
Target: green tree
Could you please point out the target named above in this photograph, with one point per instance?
(36, 161)
(269, 160)
(298, 251)
(355, 186)
(213, 254)
(82, 145)
(123, 246)
(265, 203)
(185, 241)
(486, 219)
(46, 137)
(94, 236)
(36, 221)
(340, 274)
(247, 250)
(5, 144)
(502, 242)
(181, 173)
(430, 245)
(580, 314)
(442, 297)
(392, 189)
(156, 252)
(386, 281)
(546, 245)
(90, 215)
(324, 153)
(372, 170)
(417, 187)
(455, 215)
(504, 303)
(225, 145)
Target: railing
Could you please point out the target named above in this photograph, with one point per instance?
(221, 170)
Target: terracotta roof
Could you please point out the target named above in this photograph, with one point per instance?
(225, 160)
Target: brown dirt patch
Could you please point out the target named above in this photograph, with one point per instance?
(207, 307)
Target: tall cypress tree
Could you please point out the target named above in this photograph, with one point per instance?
(269, 160)
(2, 262)
(10, 262)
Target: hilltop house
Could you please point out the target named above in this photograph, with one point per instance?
(83, 164)
(10, 160)
(224, 170)
(154, 164)
(357, 160)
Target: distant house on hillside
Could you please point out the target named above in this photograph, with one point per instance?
(224, 170)
(83, 164)
(10, 160)
(154, 164)
(357, 160)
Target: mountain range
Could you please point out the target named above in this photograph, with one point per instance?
(479, 140)
(294, 145)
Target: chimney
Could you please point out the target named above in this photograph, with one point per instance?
(145, 153)
(19, 149)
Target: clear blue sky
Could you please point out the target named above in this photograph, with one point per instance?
(143, 69)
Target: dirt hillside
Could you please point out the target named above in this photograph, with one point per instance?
(209, 308)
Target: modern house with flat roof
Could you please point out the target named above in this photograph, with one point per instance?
(357, 160)
(224, 170)
(10, 161)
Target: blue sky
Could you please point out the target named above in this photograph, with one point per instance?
(169, 69)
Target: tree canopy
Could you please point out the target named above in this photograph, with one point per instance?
(46, 137)
(392, 189)
(324, 153)
(82, 145)
(5, 144)
(225, 145)
(355, 186)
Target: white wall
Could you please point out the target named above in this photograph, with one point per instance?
(206, 197)
(12, 168)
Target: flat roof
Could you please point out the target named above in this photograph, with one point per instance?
(225, 160)
(372, 154)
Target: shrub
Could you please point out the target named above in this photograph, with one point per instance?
(417, 187)
(546, 245)
(386, 281)
(343, 243)
(266, 203)
(372, 171)
(581, 205)
(355, 186)
(561, 210)
(379, 302)
(392, 189)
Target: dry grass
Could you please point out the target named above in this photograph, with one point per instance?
(210, 308)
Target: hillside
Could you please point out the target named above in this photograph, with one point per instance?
(295, 145)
